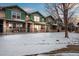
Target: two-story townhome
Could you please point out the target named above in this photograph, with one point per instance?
(51, 24)
(12, 19)
(36, 22)
(75, 21)
(54, 25)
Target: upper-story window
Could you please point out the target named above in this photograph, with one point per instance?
(16, 15)
(49, 19)
(36, 18)
(43, 20)
(13, 14)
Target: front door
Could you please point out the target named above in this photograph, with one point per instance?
(14, 27)
(1, 26)
(28, 27)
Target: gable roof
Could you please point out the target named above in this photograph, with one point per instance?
(37, 13)
(50, 17)
(3, 7)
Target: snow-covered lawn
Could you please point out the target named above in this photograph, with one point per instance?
(35, 43)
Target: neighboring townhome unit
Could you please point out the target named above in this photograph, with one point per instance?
(12, 19)
(51, 24)
(36, 23)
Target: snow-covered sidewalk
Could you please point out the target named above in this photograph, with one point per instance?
(60, 54)
(35, 43)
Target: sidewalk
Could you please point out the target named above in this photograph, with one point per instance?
(12, 33)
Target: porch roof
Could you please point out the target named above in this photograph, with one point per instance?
(40, 23)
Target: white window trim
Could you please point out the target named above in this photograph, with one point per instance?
(37, 18)
(16, 14)
(38, 27)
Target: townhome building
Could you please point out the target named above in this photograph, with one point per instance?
(51, 24)
(36, 22)
(75, 21)
(12, 19)
(54, 25)
(15, 19)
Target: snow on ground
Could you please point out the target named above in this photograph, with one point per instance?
(34, 43)
(60, 54)
(66, 54)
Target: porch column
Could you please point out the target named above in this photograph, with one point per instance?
(45, 27)
(4, 26)
(26, 26)
(26, 22)
(32, 27)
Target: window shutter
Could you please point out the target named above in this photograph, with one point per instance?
(40, 19)
(23, 15)
(31, 17)
(8, 14)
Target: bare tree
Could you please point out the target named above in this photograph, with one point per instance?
(65, 12)
(67, 7)
(62, 11)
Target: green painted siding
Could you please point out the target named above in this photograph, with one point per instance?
(31, 17)
(8, 14)
(42, 19)
(23, 15)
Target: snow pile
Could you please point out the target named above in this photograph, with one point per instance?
(35, 43)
